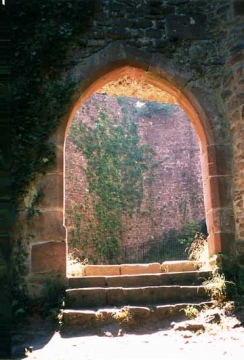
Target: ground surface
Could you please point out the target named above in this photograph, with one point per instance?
(216, 334)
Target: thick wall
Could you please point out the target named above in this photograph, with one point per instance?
(6, 205)
(191, 49)
(175, 196)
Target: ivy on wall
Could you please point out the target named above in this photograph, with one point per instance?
(117, 166)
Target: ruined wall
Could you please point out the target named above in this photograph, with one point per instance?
(175, 196)
(192, 49)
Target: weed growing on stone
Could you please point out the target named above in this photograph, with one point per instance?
(76, 266)
(124, 315)
(216, 287)
(198, 250)
(191, 311)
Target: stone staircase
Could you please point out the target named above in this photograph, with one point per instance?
(133, 293)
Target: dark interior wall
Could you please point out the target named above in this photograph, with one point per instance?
(6, 206)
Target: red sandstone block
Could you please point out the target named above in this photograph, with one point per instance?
(48, 257)
(220, 220)
(179, 266)
(99, 270)
(208, 161)
(48, 226)
(52, 187)
(131, 269)
(220, 243)
(211, 192)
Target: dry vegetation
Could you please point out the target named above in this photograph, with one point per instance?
(132, 87)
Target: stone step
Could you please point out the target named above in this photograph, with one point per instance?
(117, 296)
(133, 269)
(179, 278)
(94, 318)
(181, 266)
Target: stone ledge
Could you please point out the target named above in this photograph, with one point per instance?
(96, 270)
(131, 269)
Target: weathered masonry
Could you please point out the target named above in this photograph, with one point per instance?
(66, 51)
(173, 198)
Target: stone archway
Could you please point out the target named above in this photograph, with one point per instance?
(199, 105)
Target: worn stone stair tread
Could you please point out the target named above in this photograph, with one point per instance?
(150, 268)
(151, 307)
(90, 297)
(133, 289)
(97, 316)
(140, 279)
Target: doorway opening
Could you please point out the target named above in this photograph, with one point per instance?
(133, 179)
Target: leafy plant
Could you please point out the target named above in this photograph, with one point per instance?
(188, 232)
(116, 168)
(191, 311)
(123, 315)
(52, 302)
(198, 249)
(216, 287)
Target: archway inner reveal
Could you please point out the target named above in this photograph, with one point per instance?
(166, 184)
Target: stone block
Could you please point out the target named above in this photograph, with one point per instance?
(186, 26)
(101, 270)
(132, 269)
(78, 317)
(163, 311)
(211, 193)
(134, 280)
(83, 281)
(115, 296)
(178, 266)
(239, 249)
(49, 257)
(223, 159)
(220, 220)
(88, 297)
(220, 243)
(208, 161)
(225, 191)
(48, 226)
(52, 187)
(139, 312)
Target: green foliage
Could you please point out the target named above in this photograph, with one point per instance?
(172, 244)
(198, 247)
(216, 287)
(156, 107)
(191, 311)
(188, 232)
(116, 168)
(52, 302)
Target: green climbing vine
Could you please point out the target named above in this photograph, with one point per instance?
(117, 166)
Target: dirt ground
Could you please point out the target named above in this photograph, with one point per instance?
(214, 334)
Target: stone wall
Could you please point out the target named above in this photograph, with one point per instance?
(175, 196)
(191, 49)
(6, 204)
